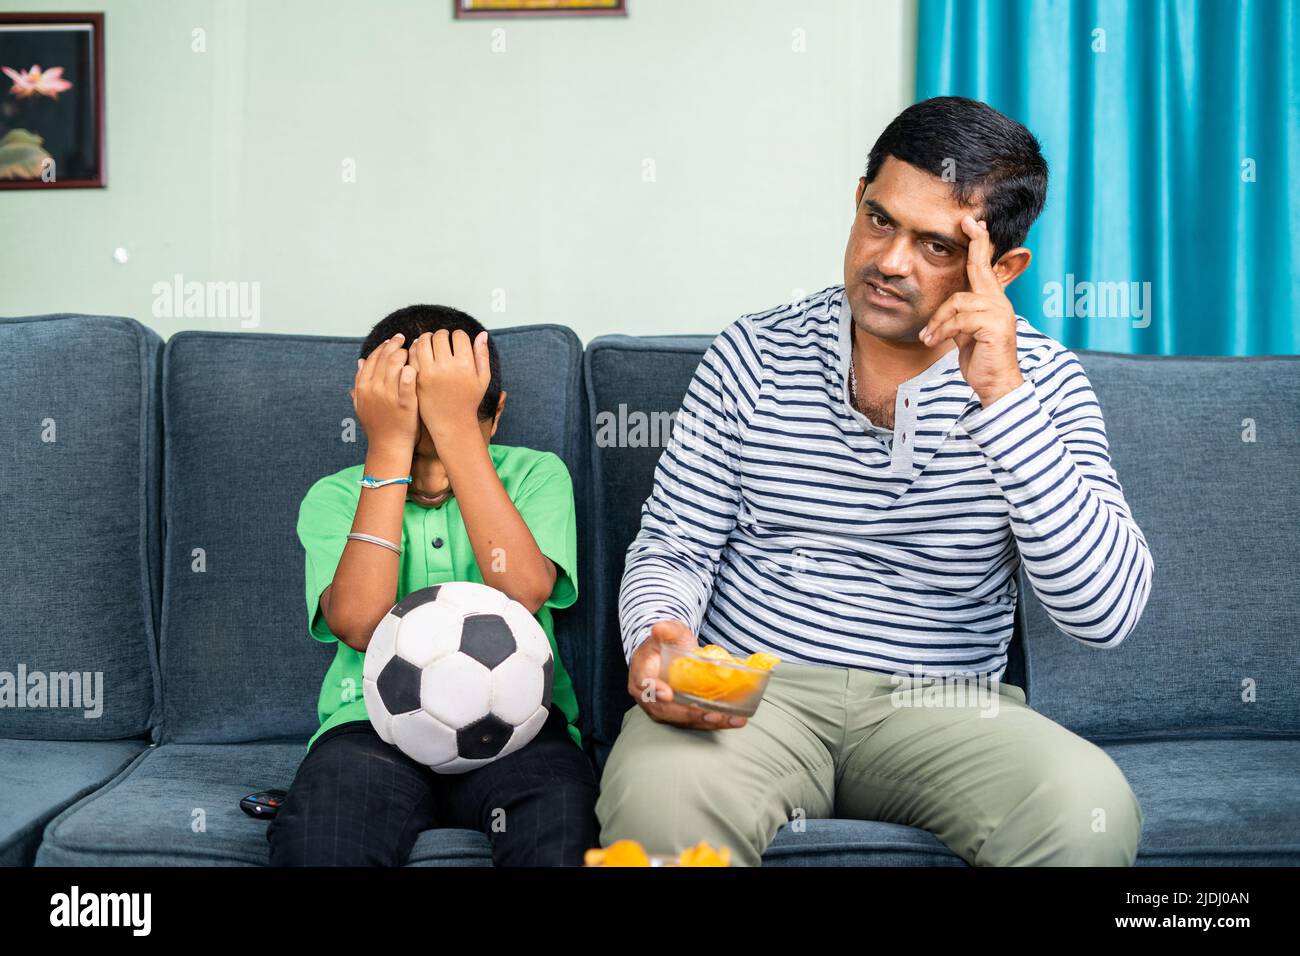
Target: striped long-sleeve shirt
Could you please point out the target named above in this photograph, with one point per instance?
(781, 520)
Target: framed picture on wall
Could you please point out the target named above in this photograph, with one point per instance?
(51, 100)
(469, 9)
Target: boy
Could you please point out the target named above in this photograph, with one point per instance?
(428, 394)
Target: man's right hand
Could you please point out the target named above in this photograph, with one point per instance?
(654, 696)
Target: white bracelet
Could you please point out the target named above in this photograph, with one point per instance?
(358, 536)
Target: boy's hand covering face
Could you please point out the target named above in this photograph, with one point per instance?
(452, 376)
(384, 396)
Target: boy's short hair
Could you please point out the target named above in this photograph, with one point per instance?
(414, 320)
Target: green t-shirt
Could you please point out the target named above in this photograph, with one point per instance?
(436, 549)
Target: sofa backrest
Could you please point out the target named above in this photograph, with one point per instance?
(80, 565)
(1207, 451)
(199, 637)
(252, 420)
(629, 380)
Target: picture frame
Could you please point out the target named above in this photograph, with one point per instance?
(482, 9)
(52, 101)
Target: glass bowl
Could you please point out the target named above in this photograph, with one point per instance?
(708, 683)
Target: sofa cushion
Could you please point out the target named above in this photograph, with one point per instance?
(857, 843)
(252, 420)
(42, 777)
(633, 383)
(1219, 802)
(178, 805)
(80, 527)
(1217, 649)
(1206, 802)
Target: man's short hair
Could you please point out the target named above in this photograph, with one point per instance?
(993, 162)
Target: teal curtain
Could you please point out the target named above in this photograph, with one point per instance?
(1171, 130)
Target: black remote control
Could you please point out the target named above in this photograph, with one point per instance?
(264, 804)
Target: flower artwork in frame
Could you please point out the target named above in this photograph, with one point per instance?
(51, 100)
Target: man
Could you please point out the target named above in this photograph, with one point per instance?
(851, 485)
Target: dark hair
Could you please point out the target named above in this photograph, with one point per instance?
(992, 160)
(414, 320)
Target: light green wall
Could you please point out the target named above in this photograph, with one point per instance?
(510, 184)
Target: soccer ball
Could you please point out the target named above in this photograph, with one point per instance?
(458, 675)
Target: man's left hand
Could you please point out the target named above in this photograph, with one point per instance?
(981, 321)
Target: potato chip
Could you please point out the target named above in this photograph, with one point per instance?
(618, 853)
(704, 855)
(706, 680)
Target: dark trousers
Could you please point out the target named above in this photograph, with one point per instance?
(357, 801)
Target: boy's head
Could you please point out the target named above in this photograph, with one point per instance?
(429, 485)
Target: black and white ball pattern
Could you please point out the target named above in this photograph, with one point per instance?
(457, 676)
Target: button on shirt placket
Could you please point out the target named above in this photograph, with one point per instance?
(904, 429)
(437, 552)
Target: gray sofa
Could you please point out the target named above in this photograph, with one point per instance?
(151, 492)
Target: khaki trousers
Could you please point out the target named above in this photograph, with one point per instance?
(994, 780)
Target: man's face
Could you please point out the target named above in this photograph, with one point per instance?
(906, 239)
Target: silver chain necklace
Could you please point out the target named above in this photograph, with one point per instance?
(853, 400)
(853, 374)
(853, 383)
